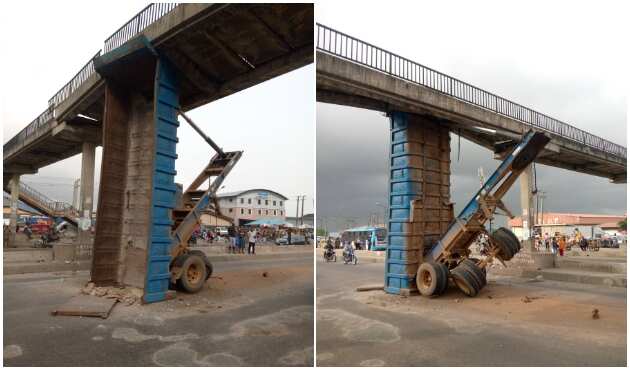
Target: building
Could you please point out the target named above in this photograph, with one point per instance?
(249, 205)
(24, 210)
(565, 223)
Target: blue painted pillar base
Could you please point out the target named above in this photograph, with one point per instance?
(419, 171)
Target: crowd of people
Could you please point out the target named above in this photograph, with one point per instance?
(239, 238)
(558, 243)
(339, 243)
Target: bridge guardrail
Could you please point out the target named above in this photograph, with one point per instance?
(347, 47)
(54, 208)
(75, 82)
(42, 123)
(139, 22)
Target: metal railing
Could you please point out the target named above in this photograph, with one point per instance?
(347, 47)
(84, 73)
(142, 20)
(43, 122)
(49, 206)
(39, 125)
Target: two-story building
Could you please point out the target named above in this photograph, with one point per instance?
(248, 205)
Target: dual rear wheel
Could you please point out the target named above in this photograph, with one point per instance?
(432, 278)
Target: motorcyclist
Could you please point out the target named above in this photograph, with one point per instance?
(329, 249)
(348, 252)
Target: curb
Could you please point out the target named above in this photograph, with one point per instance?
(27, 268)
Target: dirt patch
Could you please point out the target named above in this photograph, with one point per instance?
(547, 312)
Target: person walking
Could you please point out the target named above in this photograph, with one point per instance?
(562, 244)
(554, 245)
(252, 242)
(232, 235)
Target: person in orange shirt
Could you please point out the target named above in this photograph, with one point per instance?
(562, 245)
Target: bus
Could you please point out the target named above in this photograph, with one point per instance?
(377, 236)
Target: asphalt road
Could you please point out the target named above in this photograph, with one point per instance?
(240, 318)
(454, 330)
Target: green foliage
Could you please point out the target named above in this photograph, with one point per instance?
(623, 224)
(321, 232)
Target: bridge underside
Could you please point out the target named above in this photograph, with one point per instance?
(219, 49)
(346, 83)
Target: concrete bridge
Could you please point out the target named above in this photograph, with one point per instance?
(424, 106)
(355, 73)
(127, 98)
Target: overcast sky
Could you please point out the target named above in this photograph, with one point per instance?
(563, 60)
(272, 122)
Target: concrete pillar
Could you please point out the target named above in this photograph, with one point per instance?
(419, 174)
(86, 196)
(15, 194)
(527, 207)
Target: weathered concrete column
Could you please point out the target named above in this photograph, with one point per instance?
(419, 174)
(15, 194)
(527, 208)
(86, 196)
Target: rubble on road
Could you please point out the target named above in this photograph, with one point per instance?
(126, 295)
(367, 288)
(595, 314)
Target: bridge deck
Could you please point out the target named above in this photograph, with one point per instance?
(351, 72)
(219, 48)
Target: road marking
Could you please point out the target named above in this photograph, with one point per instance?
(12, 351)
(132, 335)
(359, 328)
(302, 357)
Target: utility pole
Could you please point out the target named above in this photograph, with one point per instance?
(297, 210)
(302, 216)
(542, 197)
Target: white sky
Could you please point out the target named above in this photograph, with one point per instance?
(272, 122)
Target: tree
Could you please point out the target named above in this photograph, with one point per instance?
(623, 224)
(321, 232)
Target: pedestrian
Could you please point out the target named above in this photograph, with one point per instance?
(546, 240)
(554, 245)
(562, 244)
(252, 242)
(232, 235)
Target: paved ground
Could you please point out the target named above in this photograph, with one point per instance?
(240, 318)
(497, 328)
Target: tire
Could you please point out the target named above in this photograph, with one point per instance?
(430, 279)
(507, 243)
(193, 274)
(478, 273)
(465, 280)
(205, 260)
(445, 274)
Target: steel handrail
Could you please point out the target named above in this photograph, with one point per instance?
(137, 24)
(350, 48)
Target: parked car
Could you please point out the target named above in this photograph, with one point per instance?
(295, 239)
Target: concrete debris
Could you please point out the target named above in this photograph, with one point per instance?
(526, 299)
(265, 274)
(489, 297)
(458, 300)
(595, 314)
(127, 296)
(366, 288)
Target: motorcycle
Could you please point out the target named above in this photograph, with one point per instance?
(349, 257)
(330, 255)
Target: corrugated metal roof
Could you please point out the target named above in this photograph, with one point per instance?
(237, 193)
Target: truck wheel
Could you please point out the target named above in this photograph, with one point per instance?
(205, 260)
(430, 279)
(516, 244)
(478, 273)
(465, 280)
(445, 274)
(506, 242)
(193, 274)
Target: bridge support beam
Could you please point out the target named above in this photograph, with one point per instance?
(15, 196)
(137, 189)
(527, 208)
(419, 174)
(86, 197)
